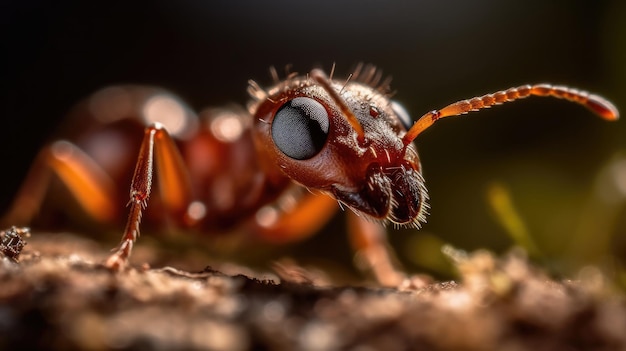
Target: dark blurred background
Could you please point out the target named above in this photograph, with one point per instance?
(563, 168)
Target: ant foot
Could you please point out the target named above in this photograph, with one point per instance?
(118, 260)
(115, 262)
(415, 282)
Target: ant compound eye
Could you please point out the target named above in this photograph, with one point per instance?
(402, 114)
(300, 128)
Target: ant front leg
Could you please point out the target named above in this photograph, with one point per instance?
(174, 181)
(369, 240)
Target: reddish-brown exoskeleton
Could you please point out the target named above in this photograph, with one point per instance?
(279, 168)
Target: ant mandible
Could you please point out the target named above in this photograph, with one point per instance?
(268, 168)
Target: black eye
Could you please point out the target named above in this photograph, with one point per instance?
(402, 114)
(300, 128)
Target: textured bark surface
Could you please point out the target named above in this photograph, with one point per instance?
(57, 296)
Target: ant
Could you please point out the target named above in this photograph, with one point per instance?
(278, 168)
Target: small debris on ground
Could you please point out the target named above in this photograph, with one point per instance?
(12, 241)
(59, 297)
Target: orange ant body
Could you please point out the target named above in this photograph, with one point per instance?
(269, 168)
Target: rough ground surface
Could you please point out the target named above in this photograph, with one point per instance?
(58, 297)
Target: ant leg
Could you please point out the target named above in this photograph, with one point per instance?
(369, 239)
(173, 179)
(310, 213)
(85, 180)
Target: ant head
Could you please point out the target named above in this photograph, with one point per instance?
(345, 139)
(351, 141)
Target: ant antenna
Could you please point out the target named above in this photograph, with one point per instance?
(597, 104)
(320, 77)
